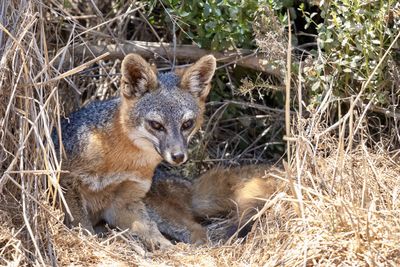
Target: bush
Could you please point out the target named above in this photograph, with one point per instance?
(352, 40)
(214, 24)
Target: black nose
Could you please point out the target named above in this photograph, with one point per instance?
(178, 157)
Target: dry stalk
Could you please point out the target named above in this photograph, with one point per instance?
(344, 208)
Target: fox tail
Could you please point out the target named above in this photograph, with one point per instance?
(236, 193)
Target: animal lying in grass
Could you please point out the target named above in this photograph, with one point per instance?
(112, 147)
(178, 206)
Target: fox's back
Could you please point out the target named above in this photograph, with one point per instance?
(76, 128)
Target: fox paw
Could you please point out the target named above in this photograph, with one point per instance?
(156, 243)
(198, 236)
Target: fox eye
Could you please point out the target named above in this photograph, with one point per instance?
(156, 126)
(187, 125)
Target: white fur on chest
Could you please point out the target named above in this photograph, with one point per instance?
(98, 183)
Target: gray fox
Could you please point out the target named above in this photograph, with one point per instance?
(178, 206)
(112, 147)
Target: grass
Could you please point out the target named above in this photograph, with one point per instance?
(343, 208)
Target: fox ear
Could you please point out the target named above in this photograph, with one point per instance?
(138, 77)
(197, 77)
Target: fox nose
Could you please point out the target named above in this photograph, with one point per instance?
(178, 157)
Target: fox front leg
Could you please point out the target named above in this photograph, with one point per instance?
(78, 211)
(134, 216)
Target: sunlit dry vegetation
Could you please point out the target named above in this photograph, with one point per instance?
(338, 143)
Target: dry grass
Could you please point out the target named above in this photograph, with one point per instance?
(344, 208)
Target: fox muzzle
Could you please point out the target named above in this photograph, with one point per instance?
(175, 156)
(174, 149)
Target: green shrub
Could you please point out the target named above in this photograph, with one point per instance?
(214, 24)
(352, 40)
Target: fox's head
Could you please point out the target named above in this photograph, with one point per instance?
(163, 112)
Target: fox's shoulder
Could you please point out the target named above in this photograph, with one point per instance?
(96, 114)
(77, 127)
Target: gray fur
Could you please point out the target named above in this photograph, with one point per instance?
(168, 80)
(170, 102)
(161, 175)
(176, 232)
(76, 127)
(171, 105)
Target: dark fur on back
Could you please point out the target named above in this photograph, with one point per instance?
(77, 125)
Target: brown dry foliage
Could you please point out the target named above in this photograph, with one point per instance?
(343, 210)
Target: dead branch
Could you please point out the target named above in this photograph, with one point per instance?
(241, 57)
(390, 112)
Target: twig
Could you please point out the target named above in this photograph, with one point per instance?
(287, 95)
(251, 105)
(75, 70)
(155, 33)
(183, 52)
(296, 191)
(393, 113)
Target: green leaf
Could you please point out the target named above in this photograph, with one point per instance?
(67, 4)
(184, 14)
(316, 85)
(207, 10)
(347, 70)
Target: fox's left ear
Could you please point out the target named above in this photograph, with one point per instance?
(197, 77)
(138, 77)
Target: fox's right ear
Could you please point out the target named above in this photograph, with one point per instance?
(138, 76)
(197, 77)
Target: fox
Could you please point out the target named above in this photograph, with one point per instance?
(179, 206)
(111, 148)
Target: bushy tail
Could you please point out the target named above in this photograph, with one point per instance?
(236, 192)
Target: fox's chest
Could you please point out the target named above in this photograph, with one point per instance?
(107, 182)
(114, 194)
(114, 169)
(116, 153)
(112, 159)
